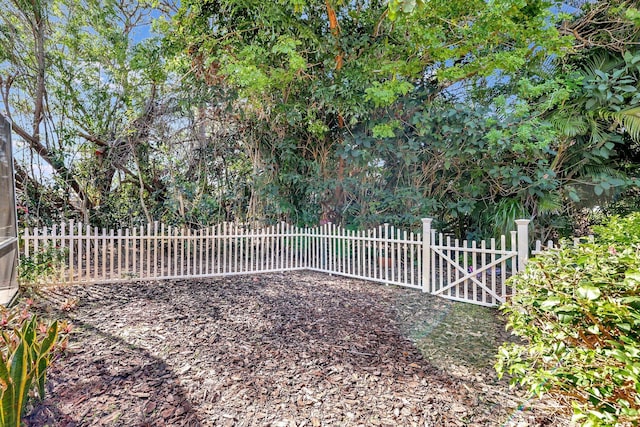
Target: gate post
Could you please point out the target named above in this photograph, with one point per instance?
(426, 254)
(523, 242)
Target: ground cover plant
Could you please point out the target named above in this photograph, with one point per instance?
(29, 346)
(578, 308)
(277, 349)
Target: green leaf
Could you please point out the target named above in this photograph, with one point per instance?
(8, 413)
(594, 329)
(549, 303)
(18, 372)
(588, 292)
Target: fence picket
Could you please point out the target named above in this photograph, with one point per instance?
(111, 250)
(353, 252)
(474, 268)
(82, 252)
(134, 252)
(207, 250)
(71, 251)
(43, 237)
(514, 247)
(285, 245)
(176, 250)
(494, 271)
(155, 249)
(503, 265)
(87, 252)
(27, 242)
(63, 248)
(456, 252)
(103, 257)
(264, 249)
(117, 251)
(455, 291)
(292, 245)
(36, 241)
(225, 245)
(126, 248)
(483, 261)
(441, 265)
(274, 255)
(79, 252)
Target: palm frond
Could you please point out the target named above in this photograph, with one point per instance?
(602, 62)
(550, 203)
(597, 132)
(503, 215)
(569, 125)
(594, 170)
(629, 119)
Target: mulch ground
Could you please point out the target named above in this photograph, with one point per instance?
(294, 349)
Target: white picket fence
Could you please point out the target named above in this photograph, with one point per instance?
(540, 247)
(473, 272)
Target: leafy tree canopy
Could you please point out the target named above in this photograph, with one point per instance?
(292, 59)
(309, 73)
(471, 111)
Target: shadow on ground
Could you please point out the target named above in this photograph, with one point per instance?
(281, 349)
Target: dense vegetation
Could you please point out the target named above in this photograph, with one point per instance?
(471, 112)
(578, 309)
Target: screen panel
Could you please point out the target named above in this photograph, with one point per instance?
(8, 229)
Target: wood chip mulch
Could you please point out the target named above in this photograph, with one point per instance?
(294, 349)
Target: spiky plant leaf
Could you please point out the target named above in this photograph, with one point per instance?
(598, 132)
(504, 214)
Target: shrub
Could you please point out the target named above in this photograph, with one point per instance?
(578, 310)
(619, 231)
(42, 265)
(27, 349)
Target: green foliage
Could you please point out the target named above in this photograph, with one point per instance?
(385, 93)
(41, 266)
(629, 119)
(500, 218)
(28, 348)
(316, 76)
(467, 110)
(585, 108)
(619, 231)
(578, 310)
(473, 166)
(633, 14)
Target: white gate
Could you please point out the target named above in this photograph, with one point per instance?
(474, 272)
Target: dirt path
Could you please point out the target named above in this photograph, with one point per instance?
(275, 350)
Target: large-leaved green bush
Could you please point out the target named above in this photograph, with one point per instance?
(578, 311)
